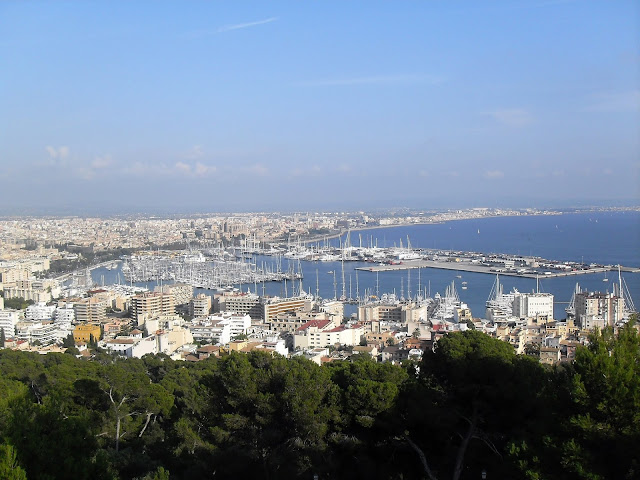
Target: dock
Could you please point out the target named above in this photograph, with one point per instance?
(474, 268)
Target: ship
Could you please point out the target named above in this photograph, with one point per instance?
(499, 304)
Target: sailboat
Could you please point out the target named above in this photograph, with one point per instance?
(605, 279)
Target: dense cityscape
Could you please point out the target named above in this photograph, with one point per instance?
(197, 311)
(319, 240)
(46, 264)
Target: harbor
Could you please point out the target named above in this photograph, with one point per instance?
(478, 268)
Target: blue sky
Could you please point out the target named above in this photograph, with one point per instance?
(220, 106)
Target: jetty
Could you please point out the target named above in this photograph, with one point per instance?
(492, 270)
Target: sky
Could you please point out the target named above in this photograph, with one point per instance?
(207, 106)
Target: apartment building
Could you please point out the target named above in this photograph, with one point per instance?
(152, 303)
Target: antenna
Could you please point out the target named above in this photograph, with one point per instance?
(344, 286)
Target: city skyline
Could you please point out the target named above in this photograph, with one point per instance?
(281, 106)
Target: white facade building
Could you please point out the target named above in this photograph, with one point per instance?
(66, 314)
(40, 311)
(132, 346)
(8, 322)
(532, 305)
(44, 332)
(211, 331)
(238, 324)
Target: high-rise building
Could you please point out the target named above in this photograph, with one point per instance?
(200, 306)
(8, 321)
(532, 305)
(240, 303)
(596, 309)
(92, 310)
(276, 305)
(152, 303)
(182, 292)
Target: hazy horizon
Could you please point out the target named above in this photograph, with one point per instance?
(146, 106)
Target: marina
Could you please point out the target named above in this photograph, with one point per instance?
(477, 268)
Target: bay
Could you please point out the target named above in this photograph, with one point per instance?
(607, 238)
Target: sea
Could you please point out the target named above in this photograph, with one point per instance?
(602, 237)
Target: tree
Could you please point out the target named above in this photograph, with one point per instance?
(602, 433)
(9, 467)
(133, 401)
(68, 341)
(265, 414)
(532, 349)
(470, 324)
(3, 339)
(159, 474)
(17, 303)
(473, 395)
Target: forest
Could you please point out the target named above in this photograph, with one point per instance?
(470, 409)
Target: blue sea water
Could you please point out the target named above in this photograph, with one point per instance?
(607, 238)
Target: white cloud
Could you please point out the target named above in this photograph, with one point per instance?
(423, 173)
(58, 153)
(615, 102)
(183, 168)
(144, 169)
(494, 174)
(344, 168)
(194, 152)
(313, 171)
(57, 156)
(202, 170)
(180, 168)
(238, 26)
(257, 169)
(85, 173)
(101, 162)
(511, 117)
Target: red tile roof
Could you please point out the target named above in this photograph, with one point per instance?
(320, 324)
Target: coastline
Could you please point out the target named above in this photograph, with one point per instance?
(410, 224)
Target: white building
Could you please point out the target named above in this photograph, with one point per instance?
(200, 306)
(238, 324)
(595, 309)
(44, 332)
(324, 333)
(65, 314)
(8, 322)
(532, 305)
(40, 311)
(161, 322)
(132, 346)
(211, 331)
(274, 344)
(168, 341)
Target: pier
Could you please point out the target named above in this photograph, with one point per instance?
(475, 268)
